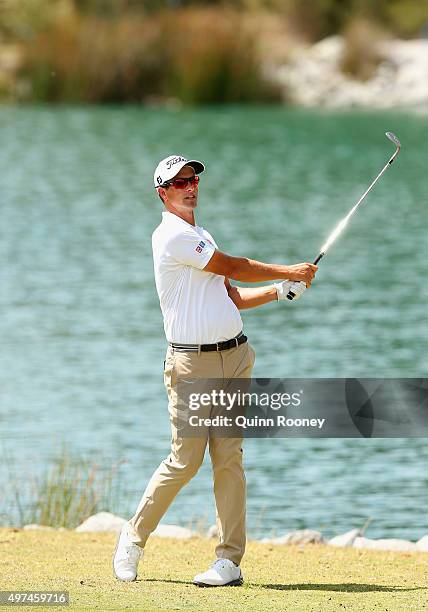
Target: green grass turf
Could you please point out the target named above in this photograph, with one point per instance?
(314, 577)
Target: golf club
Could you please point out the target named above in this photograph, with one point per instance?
(343, 223)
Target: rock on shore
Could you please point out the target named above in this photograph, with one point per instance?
(386, 544)
(345, 539)
(301, 536)
(105, 521)
(422, 544)
(313, 77)
(102, 521)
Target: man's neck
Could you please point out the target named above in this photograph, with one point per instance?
(186, 215)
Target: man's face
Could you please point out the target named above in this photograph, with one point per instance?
(181, 199)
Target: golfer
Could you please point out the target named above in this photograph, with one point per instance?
(205, 337)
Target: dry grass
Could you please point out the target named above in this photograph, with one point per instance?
(290, 578)
(68, 492)
(194, 55)
(362, 57)
(116, 51)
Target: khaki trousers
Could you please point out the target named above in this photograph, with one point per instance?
(187, 454)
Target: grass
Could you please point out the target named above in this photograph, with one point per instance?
(196, 56)
(69, 491)
(362, 57)
(316, 577)
(188, 53)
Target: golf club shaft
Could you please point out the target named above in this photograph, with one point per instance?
(342, 224)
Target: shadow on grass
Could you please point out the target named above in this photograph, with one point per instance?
(164, 580)
(350, 587)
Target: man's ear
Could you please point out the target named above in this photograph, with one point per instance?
(161, 193)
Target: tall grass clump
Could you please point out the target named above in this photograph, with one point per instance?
(361, 56)
(68, 492)
(190, 51)
(316, 19)
(20, 19)
(217, 59)
(204, 55)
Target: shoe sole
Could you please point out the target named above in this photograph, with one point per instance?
(238, 582)
(112, 563)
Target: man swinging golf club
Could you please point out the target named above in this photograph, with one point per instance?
(205, 338)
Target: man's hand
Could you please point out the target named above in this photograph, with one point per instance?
(283, 288)
(304, 272)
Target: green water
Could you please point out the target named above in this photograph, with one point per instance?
(81, 333)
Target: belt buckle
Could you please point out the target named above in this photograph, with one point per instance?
(217, 346)
(237, 343)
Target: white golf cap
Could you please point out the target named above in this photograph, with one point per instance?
(170, 166)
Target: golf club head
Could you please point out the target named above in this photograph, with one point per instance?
(393, 138)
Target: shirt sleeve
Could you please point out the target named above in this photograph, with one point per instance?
(190, 249)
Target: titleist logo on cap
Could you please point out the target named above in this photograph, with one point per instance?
(170, 166)
(173, 161)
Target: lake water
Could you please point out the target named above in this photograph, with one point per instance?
(82, 342)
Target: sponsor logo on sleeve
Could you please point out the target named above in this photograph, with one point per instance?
(200, 246)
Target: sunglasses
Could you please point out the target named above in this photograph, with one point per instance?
(181, 183)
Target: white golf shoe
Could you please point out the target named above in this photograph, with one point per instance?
(126, 557)
(223, 572)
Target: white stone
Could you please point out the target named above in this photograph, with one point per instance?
(422, 544)
(345, 539)
(386, 544)
(302, 536)
(212, 532)
(102, 521)
(105, 521)
(329, 50)
(173, 531)
(313, 77)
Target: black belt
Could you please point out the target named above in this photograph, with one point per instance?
(217, 346)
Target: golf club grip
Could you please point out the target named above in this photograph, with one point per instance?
(291, 294)
(320, 256)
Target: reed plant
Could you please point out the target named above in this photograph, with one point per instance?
(362, 56)
(66, 493)
(204, 55)
(187, 51)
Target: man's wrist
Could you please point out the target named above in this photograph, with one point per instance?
(286, 274)
(290, 274)
(273, 292)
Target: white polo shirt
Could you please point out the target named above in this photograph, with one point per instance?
(195, 304)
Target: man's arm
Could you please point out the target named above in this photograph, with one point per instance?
(250, 297)
(252, 271)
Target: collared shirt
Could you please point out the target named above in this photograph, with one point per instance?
(195, 304)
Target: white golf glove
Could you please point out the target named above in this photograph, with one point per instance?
(282, 289)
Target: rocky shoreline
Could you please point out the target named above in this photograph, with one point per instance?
(105, 521)
(312, 77)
